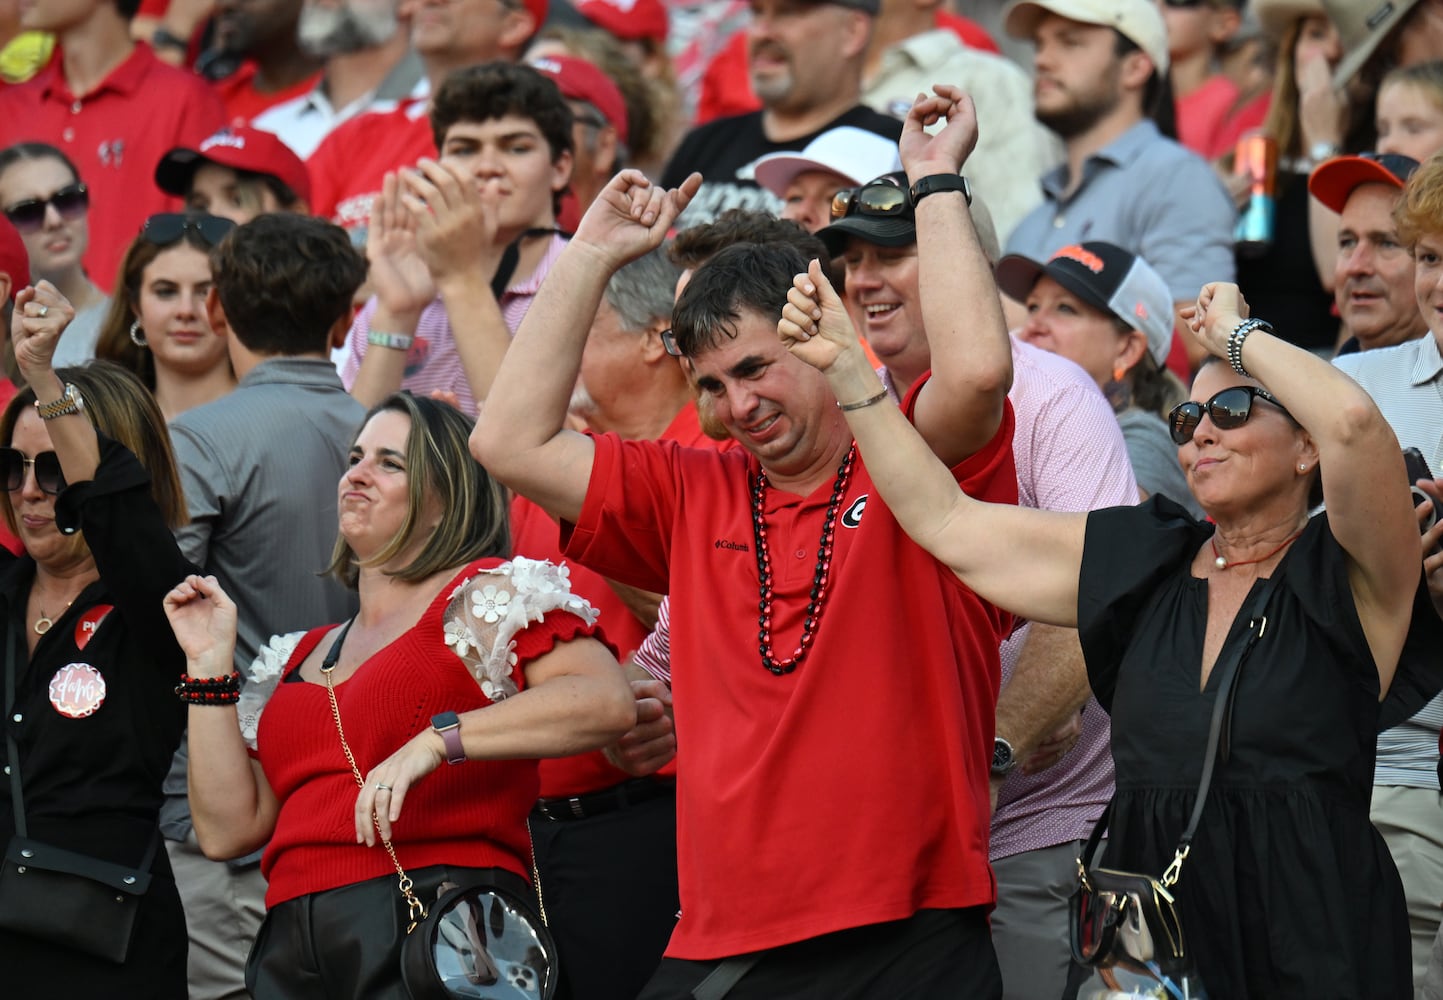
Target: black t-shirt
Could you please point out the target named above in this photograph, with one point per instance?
(724, 153)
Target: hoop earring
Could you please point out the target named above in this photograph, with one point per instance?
(137, 335)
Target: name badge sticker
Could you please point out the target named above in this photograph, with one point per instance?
(77, 690)
(89, 624)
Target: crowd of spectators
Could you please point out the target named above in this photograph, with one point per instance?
(712, 286)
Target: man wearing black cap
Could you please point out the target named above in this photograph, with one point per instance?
(1070, 456)
(1373, 277)
(804, 58)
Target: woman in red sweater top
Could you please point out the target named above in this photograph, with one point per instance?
(445, 626)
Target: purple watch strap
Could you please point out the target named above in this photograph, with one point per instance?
(448, 725)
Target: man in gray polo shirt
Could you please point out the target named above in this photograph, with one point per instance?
(1099, 71)
(260, 468)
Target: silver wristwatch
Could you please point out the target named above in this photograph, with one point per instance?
(69, 402)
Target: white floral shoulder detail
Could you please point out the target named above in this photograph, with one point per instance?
(259, 680)
(486, 611)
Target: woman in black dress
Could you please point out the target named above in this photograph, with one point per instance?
(94, 715)
(1288, 891)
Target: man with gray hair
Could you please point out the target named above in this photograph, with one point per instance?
(606, 842)
(369, 66)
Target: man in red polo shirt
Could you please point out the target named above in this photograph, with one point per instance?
(114, 109)
(832, 792)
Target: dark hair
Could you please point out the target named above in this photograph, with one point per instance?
(1157, 97)
(695, 246)
(113, 343)
(20, 151)
(123, 410)
(744, 276)
(474, 508)
(497, 89)
(284, 280)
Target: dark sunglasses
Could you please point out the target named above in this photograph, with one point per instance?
(876, 198)
(168, 227)
(70, 203)
(47, 470)
(1229, 409)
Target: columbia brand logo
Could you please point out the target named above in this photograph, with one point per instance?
(725, 543)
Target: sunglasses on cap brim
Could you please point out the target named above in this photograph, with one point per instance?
(877, 199)
(168, 227)
(70, 203)
(46, 465)
(1228, 409)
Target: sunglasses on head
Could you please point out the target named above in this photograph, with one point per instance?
(877, 198)
(70, 203)
(1228, 409)
(47, 470)
(168, 227)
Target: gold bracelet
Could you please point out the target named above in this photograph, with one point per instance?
(863, 404)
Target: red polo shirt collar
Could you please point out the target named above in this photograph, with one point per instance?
(126, 78)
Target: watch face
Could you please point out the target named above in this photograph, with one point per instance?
(1001, 756)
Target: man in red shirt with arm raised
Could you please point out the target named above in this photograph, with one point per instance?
(832, 797)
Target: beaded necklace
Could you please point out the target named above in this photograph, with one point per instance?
(820, 577)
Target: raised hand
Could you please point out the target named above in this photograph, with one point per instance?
(455, 221)
(945, 152)
(631, 216)
(40, 317)
(814, 325)
(1322, 108)
(203, 618)
(1219, 309)
(398, 273)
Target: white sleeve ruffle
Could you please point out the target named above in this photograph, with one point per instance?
(258, 682)
(487, 611)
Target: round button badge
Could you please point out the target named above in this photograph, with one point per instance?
(77, 690)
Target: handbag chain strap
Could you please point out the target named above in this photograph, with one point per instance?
(415, 909)
(1219, 739)
(12, 752)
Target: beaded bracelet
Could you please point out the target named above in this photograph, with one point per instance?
(209, 690)
(1235, 342)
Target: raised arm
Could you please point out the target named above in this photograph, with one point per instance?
(521, 436)
(41, 315)
(960, 408)
(1364, 478)
(231, 803)
(1024, 560)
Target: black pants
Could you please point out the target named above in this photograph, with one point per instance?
(931, 955)
(345, 944)
(609, 882)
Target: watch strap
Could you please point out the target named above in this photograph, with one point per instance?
(937, 183)
(396, 341)
(67, 403)
(448, 726)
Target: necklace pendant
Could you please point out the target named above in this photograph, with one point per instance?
(42, 625)
(1220, 563)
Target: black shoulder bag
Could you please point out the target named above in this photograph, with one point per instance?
(59, 896)
(1129, 920)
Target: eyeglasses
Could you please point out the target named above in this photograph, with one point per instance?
(1228, 409)
(47, 470)
(668, 340)
(70, 203)
(877, 198)
(168, 227)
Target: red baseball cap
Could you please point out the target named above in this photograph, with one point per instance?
(580, 80)
(539, 9)
(14, 261)
(630, 20)
(1333, 182)
(237, 147)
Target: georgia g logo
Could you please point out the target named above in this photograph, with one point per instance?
(853, 517)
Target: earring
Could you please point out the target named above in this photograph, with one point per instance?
(1118, 373)
(1302, 467)
(137, 335)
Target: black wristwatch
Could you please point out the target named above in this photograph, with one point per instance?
(160, 38)
(934, 183)
(1003, 759)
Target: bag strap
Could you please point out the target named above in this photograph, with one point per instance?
(1219, 734)
(12, 752)
(727, 973)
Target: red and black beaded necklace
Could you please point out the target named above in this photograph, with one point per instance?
(820, 577)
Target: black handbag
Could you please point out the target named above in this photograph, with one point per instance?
(1130, 920)
(480, 941)
(60, 896)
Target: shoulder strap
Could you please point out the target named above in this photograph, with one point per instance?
(1219, 729)
(12, 752)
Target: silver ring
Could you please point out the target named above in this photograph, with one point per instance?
(382, 788)
(43, 311)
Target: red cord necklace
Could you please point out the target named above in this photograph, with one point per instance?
(1222, 563)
